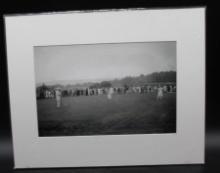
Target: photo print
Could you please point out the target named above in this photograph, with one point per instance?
(106, 88)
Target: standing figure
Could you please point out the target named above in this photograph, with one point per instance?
(99, 91)
(58, 96)
(138, 89)
(110, 92)
(165, 88)
(174, 88)
(159, 93)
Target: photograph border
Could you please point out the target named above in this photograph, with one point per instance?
(29, 158)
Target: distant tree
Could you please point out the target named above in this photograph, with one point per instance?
(95, 85)
(129, 81)
(164, 76)
(105, 84)
(44, 87)
(141, 75)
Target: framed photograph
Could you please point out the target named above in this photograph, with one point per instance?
(107, 88)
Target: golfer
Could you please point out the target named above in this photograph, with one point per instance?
(110, 92)
(58, 97)
(160, 93)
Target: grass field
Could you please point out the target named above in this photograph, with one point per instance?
(96, 115)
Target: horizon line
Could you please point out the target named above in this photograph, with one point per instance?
(95, 79)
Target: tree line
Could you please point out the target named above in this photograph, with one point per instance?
(156, 77)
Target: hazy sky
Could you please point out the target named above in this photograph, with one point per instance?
(102, 61)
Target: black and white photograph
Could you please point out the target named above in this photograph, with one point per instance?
(106, 88)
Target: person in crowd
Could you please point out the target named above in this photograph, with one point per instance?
(150, 89)
(96, 91)
(165, 88)
(46, 94)
(171, 88)
(99, 91)
(174, 88)
(168, 88)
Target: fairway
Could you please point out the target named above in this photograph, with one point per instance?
(97, 115)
